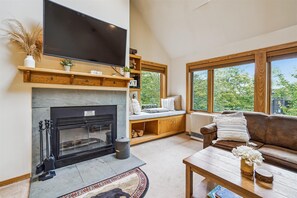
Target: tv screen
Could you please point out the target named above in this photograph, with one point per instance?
(71, 34)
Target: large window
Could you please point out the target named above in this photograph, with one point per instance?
(234, 88)
(153, 84)
(262, 80)
(199, 90)
(284, 86)
(151, 88)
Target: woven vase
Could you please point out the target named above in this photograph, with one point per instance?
(246, 169)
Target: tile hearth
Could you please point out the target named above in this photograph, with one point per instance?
(76, 176)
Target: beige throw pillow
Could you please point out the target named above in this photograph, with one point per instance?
(177, 102)
(168, 103)
(232, 128)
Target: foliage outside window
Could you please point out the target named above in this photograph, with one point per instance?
(284, 86)
(234, 88)
(200, 90)
(151, 89)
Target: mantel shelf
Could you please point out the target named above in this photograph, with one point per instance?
(51, 76)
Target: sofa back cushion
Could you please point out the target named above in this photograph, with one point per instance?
(257, 124)
(282, 131)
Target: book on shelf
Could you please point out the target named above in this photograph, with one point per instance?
(221, 192)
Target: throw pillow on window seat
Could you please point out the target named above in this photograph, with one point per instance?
(168, 103)
(177, 102)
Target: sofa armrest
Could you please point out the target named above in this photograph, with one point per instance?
(208, 129)
(209, 133)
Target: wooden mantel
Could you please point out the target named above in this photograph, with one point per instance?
(50, 76)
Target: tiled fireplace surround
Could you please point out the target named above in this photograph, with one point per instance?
(44, 98)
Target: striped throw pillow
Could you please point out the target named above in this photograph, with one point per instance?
(232, 128)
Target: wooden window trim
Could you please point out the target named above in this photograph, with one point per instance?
(277, 56)
(159, 68)
(261, 58)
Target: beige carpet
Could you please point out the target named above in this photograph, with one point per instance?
(164, 168)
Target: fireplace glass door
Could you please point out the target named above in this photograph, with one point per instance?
(76, 139)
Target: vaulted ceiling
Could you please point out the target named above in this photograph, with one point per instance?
(185, 27)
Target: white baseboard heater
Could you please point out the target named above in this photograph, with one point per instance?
(198, 120)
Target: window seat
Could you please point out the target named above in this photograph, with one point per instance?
(145, 115)
(156, 125)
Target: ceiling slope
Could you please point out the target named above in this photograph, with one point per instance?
(185, 27)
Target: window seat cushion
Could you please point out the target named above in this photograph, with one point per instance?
(144, 115)
(155, 110)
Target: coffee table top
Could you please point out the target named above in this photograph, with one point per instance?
(223, 168)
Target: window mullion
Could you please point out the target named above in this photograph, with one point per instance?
(210, 82)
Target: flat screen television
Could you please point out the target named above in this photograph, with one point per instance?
(71, 34)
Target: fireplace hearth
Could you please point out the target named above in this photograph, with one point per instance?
(82, 133)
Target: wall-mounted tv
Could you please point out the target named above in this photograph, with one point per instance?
(71, 34)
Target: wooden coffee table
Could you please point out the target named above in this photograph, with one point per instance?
(221, 167)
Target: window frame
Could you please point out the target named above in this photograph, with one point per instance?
(192, 90)
(159, 68)
(275, 56)
(262, 74)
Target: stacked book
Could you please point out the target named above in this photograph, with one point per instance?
(221, 192)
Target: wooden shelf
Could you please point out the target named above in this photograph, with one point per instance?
(135, 89)
(51, 76)
(150, 137)
(133, 71)
(134, 56)
(156, 128)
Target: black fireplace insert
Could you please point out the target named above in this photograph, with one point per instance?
(82, 133)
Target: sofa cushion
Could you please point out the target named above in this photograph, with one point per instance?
(256, 123)
(282, 131)
(279, 156)
(229, 145)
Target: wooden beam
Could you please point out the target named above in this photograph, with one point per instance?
(261, 76)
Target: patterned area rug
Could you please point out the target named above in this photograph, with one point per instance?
(133, 183)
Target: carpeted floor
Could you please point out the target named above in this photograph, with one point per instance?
(164, 166)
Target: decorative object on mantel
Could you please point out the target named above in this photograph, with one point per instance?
(96, 72)
(263, 175)
(127, 72)
(67, 64)
(248, 156)
(29, 42)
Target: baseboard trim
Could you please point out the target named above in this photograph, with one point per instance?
(15, 179)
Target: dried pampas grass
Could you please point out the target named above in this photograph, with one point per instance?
(30, 42)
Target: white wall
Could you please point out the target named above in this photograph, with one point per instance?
(15, 96)
(177, 69)
(142, 39)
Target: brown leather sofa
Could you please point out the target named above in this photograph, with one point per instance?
(275, 136)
